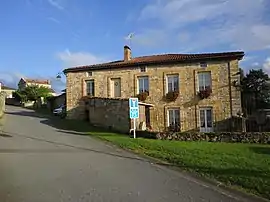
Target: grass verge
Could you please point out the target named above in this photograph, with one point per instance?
(245, 166)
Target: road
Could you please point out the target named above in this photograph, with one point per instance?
(40, 163)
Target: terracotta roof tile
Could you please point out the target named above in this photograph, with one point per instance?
(160, 59)
(38, 81)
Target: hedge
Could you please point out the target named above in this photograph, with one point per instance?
(230, 137)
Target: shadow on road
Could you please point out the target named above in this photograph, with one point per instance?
(61, 124)
(27, 113)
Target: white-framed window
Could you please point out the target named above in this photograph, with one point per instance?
(203, 64)
(143, 84)
(173, 119)
(90, 87)
(172, 83)
(143, 69)
(205, 80)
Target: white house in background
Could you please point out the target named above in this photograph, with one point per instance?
(35, 82)
(8, 91)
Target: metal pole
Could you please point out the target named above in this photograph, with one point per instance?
(134, 128)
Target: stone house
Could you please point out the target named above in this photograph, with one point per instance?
(183, 91)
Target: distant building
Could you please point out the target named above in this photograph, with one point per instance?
(35, 82)
(8, 91)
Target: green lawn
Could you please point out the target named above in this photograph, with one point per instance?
(240, 165)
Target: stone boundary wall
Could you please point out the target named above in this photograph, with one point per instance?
(109, 113)
(2, 104)
(228, 137)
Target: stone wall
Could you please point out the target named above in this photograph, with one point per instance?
(225, 99)
(2, 104)
(109, 113)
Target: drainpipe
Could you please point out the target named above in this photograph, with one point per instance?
(230, 94)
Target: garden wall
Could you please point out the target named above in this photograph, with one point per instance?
(2, 104)
(234, 137)
(109, 113)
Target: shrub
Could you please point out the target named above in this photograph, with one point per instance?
(172, 95)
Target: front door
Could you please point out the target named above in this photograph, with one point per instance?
(206, 120)
(116, 87)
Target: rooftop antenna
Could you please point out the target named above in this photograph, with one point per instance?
(129, 38)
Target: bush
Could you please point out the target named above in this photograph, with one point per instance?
(234, 137)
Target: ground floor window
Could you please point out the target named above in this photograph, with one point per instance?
(206, 120)
(173, 119)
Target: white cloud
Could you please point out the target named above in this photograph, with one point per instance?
(56, 4)
(53, 20)
(71, 59)
(266, 66)
(237, 24)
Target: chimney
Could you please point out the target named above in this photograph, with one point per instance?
(127, 53)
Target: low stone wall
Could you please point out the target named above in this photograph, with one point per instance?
(109, 113)
(234, 137)
(2, 104)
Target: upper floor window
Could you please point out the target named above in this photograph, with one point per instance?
(204, 80)
(172, 83)
(143, 69)
(90, 87)
(89, 74)
(174, 119)
(203, 64)
(143, 84)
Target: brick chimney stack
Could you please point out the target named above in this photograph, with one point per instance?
(127, 53)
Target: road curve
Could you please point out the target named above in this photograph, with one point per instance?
(40, 163)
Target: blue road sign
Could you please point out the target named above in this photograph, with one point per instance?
(133, 108)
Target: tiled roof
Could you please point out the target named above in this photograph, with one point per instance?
(38, 81)
(160, 59)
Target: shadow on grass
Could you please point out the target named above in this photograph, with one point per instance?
(261, 150)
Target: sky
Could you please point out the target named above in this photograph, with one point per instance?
(40, 38)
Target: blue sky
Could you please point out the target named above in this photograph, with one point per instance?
(39, 38)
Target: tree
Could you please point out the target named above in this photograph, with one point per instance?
(32, 93)
(19, 96)
(255, 90)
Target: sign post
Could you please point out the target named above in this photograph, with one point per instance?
(134, 112)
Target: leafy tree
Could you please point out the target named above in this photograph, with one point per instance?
(32, 93)
(255, 90)
(19, 96)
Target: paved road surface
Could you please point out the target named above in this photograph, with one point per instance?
(39, 163)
